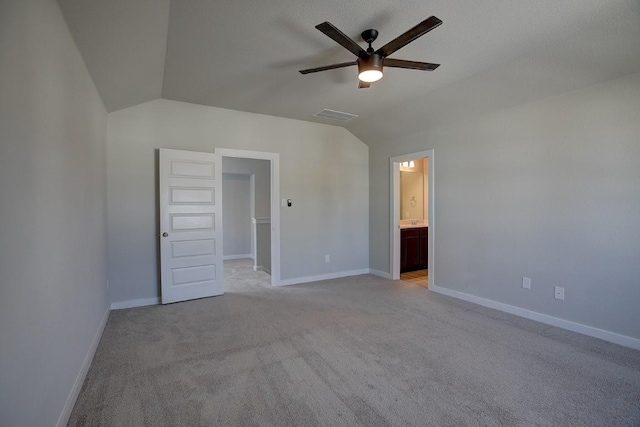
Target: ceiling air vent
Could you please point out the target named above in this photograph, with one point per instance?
(335, 115)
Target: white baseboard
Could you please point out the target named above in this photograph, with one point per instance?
(84, 369)
(379, 273)
(543, 318)
(135, 303)
(261, 268)
(241, 256)
(307, 279)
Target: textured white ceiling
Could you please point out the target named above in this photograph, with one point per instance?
(244, 55)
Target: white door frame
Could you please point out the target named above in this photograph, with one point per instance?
(274, 159)
(394, 168)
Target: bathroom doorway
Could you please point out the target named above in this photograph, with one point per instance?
(412, 222)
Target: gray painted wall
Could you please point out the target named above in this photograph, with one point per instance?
(324, 169)
(236, 214)
(53, 295)
(263, 247)
(548, 190)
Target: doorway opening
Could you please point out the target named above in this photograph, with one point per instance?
(251, 237)
(246, 224)
(412, 219)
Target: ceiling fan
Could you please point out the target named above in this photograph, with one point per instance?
(370, 62)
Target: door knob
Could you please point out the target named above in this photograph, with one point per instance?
(165, 234)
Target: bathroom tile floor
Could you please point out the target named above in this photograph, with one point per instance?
(419, 277)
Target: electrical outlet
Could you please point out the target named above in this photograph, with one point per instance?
(327, 258)
(526, 282)
(559, 293)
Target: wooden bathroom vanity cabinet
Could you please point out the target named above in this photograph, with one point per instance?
(414, 248)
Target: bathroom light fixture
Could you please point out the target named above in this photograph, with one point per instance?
(409, 164)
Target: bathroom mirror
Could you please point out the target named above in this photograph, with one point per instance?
(412, 195)
(414, 179)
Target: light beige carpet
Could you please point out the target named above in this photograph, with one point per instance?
(355, 351)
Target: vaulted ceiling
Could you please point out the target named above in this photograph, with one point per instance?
(245, 55)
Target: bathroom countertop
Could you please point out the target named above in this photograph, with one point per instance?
(405, 224)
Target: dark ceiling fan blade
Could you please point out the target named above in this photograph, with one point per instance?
(363, 85)
(328, 67)
(413, 65)
(409, 36)
(342, 39)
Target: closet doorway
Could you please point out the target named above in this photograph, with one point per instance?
(255, 178)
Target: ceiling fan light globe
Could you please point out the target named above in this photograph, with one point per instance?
(370, 68)
(370, 76)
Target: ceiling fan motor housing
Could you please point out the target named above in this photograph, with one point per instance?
(373, 62)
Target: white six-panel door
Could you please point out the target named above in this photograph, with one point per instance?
(190, 225)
